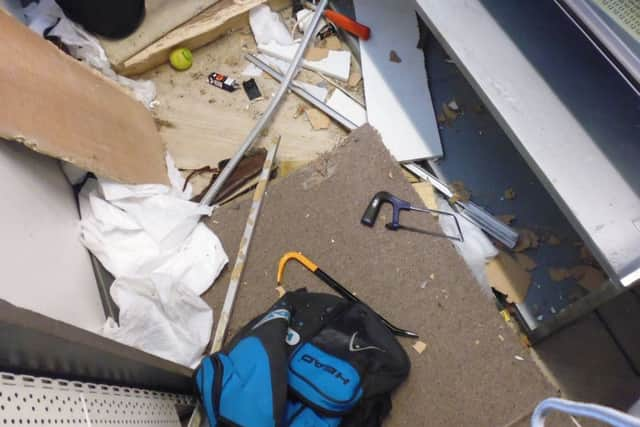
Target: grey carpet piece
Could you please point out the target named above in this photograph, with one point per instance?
(468, 375)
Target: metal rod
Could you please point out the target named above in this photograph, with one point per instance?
(238, 268)
(469, 210)
(302, 93)
(213, 191)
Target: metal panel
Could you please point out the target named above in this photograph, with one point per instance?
(573, 120)
(26, 400)
(38, 345)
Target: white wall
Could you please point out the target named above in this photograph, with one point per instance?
(43, 265)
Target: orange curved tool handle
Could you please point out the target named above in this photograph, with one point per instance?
(361, 31)
(298, 257)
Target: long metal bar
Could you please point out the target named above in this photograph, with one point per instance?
(213, 191)
(238, 268)
(302, 93)
(472, 212)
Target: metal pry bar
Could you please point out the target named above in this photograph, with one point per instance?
(333, 284)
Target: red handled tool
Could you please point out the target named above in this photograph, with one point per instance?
(341, 21)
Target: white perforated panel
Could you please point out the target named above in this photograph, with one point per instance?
(27, 401)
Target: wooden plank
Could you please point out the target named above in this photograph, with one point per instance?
(203, 124)
(224, 16)
(161, 17)
(398, 100)
(56, 105)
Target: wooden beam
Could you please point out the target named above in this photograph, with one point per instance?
(213, 23)
(161, 16)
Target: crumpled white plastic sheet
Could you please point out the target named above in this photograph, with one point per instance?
(149, 237)
(83, 46)
(476, 249)
(267, 26)
(161, 317)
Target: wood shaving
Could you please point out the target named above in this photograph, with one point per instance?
(506, 219)
(316, 54)
(460, 193)
(317, 118)
(588, 277)
(281, 291)
(553, 240)
(527, 240)
(559, 274)
(332, 43)
(427, 194)
(508, 277)
(354, 79)
(510, 193)
(525, 261)
(419, 347)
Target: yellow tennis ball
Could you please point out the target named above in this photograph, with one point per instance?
(181, 58)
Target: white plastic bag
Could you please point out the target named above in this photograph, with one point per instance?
(160, 316)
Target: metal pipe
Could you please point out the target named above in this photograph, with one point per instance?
(213, 191)
(302, 93)
(601, 413)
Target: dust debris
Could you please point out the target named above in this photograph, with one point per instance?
(161, 123)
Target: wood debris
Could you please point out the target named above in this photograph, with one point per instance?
(393, 57)
(354, 79)
(316, 54)
(525, 261)
(559, 274)
(510, 193)
(528, 240)
(508, 277)
(317, 118)
(588, 277)
(281, 291)
(299, 111)
(419, 347)
(449, 114)
(427, 194)
(460, 193)
(332, 43)
(411, 178)
(506, 219)
(553, 240)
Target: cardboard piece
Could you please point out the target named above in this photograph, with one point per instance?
(317, 210)
(508, 277)
(56, 105)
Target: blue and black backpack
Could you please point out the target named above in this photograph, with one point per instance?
(312, 360)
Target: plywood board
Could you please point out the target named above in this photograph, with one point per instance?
(397, 93)
(203, 124)
(161, 17)
(58, 106)
(213, 23)
(467, 375)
